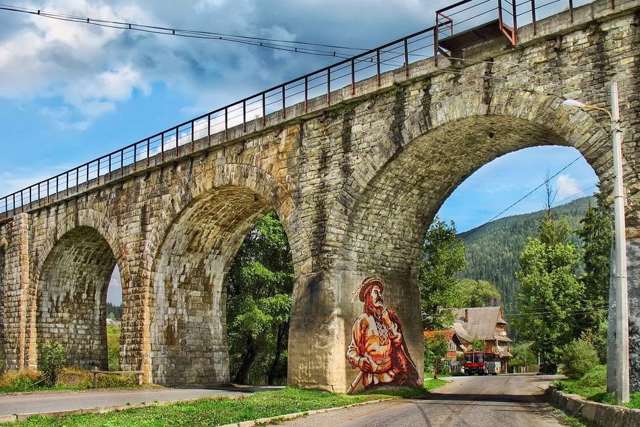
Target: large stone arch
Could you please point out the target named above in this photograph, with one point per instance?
(187, 331)
(71, 294)
(400, 184)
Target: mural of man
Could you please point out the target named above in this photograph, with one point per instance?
(377, 346)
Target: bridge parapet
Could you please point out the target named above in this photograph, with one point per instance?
(405, 59)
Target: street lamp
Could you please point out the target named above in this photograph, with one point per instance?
(620, 273)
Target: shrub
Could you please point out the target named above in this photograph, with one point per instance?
(578, 358)
(26, 380)
(52, 360)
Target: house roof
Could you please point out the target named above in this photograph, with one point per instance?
(479, 323)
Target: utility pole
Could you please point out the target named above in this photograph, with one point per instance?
(620, 273)
(621, 357)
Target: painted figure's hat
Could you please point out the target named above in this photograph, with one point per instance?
(366, 286)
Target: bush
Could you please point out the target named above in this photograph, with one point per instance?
(52, 360)
(14, 381)
(578, 358)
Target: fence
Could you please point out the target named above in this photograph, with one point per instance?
(275, 102)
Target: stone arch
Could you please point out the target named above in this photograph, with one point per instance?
(71, 296)
(187, 331)
(58, 223)
(428, 156)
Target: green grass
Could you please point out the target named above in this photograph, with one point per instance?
(210, 412)
(568, 420)
(113, 347)
(593, 386)
(433, 383)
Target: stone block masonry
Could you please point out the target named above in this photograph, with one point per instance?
(355, 185)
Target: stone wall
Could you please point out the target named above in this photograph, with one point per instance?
(355, 185)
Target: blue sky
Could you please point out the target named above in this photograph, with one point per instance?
(70, 92)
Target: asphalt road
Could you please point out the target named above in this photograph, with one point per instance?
(54, 402)
(509, 400)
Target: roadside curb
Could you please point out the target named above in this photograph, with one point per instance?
(287, 417)
(4, 419)
(597, 414)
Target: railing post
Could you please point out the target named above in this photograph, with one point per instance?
(14, 203)
(77, 179)
(571, 9)
(177, 142)
(264, 109)
(515, 21)
(378, 67)
(135, 155)
(98, 168)
(21, 201)
(209, 127)
(328, 86)
(66, 186)
(500, 21)
(121, 162)
(161, 147)
(284, 103)
(533, 17)
(406, 56)
(244, 115)
(353, 77)
(148, 151)
(30, 193)
(435, 42)
(306, 93)
(226, 122)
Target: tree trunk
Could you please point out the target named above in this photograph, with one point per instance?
(282, 329)
(242, 376)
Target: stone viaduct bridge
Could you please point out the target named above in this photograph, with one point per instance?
(355, 175)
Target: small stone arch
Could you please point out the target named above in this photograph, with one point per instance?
(71, 294)
(187, 330)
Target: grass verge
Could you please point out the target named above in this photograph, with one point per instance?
(210, 412)
(593, 386)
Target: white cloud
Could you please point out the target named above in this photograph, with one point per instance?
(567, 187)
(81, 72)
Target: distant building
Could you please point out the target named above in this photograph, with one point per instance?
(486, 324)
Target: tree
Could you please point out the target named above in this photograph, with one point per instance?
(578, 357)
(259, 287)
(476, 293)
(442, 259)
(550, 294)
(596, 233)
(435, 349)
(522, 355)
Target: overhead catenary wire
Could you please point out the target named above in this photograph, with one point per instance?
(294, 46)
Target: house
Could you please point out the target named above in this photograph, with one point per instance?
(484, 324)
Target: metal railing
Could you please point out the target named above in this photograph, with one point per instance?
(310, 92)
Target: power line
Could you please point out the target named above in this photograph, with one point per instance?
(512, 205)
(303, 47)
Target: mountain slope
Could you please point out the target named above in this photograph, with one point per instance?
(492, 250)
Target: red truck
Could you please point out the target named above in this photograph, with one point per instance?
(481, 363)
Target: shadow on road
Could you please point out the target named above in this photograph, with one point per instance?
(507, 398)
